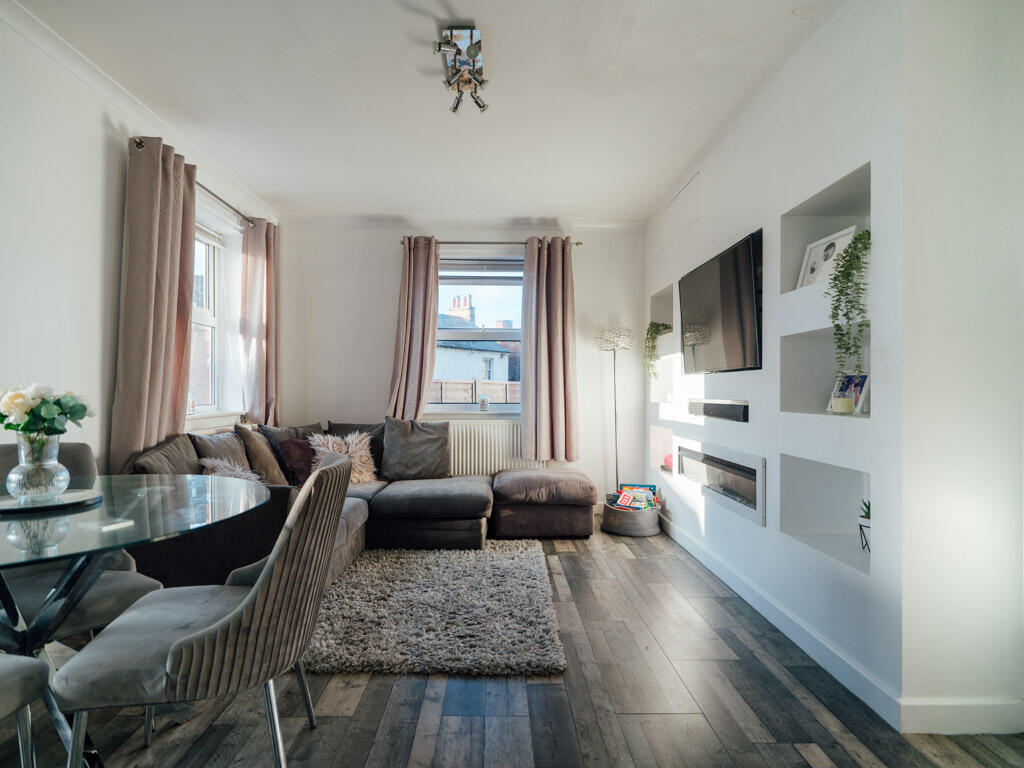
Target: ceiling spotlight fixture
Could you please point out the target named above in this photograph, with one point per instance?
(457, 104)
(478, 80)
(462, 50)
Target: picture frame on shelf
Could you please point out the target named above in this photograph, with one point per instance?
(819, 257)
(858, 383)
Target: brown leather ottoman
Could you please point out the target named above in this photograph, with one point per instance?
(542, 503)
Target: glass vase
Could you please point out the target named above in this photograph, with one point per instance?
(38, 475)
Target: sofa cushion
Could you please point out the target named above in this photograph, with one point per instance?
(544, 486)
(176, 456)
(355, 513)
(375, 431)
(453, 498)
(415, 450)
(223, 445)
(261, 456)
(297, 460)
(365, 491)
(276, 435)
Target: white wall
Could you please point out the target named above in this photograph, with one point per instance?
(928, 93)
(64, 130)
(963, 197)
(831, 108)
(340, 282)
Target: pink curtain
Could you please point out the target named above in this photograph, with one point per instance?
(550, 426)
(155, 333)
(259, 325)
(416, 337)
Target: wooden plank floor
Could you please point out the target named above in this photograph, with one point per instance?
(666, 667)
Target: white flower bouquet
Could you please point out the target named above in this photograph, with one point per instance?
(38, 409)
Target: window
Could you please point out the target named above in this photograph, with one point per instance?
(202, 377)
(479, 332)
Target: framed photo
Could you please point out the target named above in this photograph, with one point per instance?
(819, 257)
(857, 383)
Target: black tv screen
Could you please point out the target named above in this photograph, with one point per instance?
(720, 311)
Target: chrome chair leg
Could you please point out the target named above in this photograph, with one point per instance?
(77, 746)
(272, 720)
(149, 727)
(25, 749)
(307, 700)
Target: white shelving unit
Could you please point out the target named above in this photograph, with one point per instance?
(824, 459)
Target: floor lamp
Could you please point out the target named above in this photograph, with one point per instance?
(612, 340)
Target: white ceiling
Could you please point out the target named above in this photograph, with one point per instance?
(329, 107)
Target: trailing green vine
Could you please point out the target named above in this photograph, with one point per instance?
(847, 289)
(654, 330)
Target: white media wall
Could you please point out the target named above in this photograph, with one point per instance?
(339, 297)
(924, 631)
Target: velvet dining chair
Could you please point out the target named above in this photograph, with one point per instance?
(187, 644)
(117, 587)
(22, 681)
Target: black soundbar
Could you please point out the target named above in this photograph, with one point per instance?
(730, 410)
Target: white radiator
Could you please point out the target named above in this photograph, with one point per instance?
(486, 446)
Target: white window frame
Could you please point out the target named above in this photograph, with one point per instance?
(478, 261)
(208, 317)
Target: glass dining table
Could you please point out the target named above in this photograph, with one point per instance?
(129, 510)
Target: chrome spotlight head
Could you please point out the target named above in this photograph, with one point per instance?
(446, 46)
(478, 101)
(479, 80)
(457, 103)
(454, 75)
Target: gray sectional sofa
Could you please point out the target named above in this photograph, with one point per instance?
(423, 513)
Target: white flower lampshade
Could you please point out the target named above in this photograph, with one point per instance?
(614, 339)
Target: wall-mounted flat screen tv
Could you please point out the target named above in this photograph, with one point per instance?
(720, 311)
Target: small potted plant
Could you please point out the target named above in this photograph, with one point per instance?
(847, 291)
(654, 330)
(40, 416)
(864, 523)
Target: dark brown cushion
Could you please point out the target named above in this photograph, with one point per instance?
(276, 435)
(176, 456)
(261, 456)
(375, 431)
(298, 460)
(223, 445)
(415, 450)
(544, 486)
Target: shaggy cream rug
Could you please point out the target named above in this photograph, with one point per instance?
(469, 612)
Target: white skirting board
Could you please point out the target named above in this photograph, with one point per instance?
(918, 715)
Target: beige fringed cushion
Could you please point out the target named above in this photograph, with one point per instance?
(228, 468)
(355, 445)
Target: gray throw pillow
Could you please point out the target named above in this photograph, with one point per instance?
(415, 450)
(176, 456)
(223, 445)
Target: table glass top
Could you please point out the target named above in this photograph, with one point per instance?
(134, 509)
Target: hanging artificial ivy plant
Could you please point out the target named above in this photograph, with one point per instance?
(654, 330)
(846, 289)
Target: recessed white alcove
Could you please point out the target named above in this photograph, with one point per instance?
(843, 204)
(807, 372)
(819, 506)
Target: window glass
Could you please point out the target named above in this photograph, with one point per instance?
(201, 374)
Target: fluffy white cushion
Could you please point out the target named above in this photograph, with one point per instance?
(228, 468)
(355, 445)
